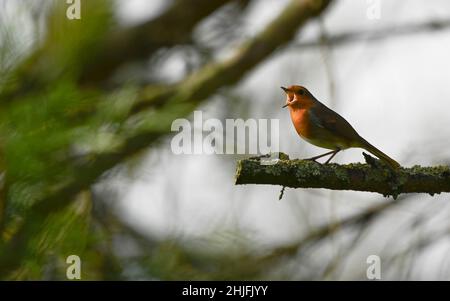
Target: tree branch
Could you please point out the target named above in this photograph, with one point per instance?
(365, 35)
(174, 26)
(318, 234)
(113, 49)
(372, 177)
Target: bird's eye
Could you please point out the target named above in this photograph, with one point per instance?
(301, 92)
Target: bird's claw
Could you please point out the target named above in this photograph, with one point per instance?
(311, 159)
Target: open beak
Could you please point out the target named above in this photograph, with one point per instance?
(286, 91)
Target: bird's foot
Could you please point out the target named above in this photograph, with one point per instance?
(311, 159)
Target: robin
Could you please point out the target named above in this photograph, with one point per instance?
(321, 126)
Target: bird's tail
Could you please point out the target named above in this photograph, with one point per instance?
(382, 156)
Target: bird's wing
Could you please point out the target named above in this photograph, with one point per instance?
(327, 119)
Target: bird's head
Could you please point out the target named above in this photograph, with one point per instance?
(296, 96)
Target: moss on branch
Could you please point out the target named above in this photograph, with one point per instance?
(371, 177)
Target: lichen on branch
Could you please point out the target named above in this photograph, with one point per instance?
(372, 176)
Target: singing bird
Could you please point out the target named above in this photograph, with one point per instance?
(321, 126)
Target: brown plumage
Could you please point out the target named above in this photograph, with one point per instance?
(321, 126)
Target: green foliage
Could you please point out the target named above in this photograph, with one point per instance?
(63, 233)
(42, 132)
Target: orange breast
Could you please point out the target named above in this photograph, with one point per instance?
(300, 118)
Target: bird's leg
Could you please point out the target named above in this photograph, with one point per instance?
(334, 154)
(320, 156)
